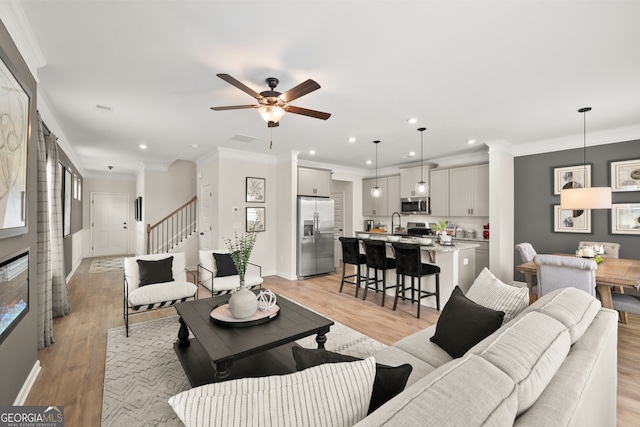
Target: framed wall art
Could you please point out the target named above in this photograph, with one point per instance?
(571, 177)
(625, 175)
(14, 116)
(256, 189)
(571, 221)
(625, 218)
(256, 219)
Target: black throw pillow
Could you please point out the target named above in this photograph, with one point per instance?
(389, 380)
(463, 324)
(159, 271)
(225, 265)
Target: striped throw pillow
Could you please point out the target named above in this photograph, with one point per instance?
(488, 291)
(332, 394)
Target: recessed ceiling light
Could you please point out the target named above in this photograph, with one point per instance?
(412, 153)
(143, 146)
(352, 139)
(412, 120)
(312, 152)
(471, 141)
(195, 146)
(369, 162)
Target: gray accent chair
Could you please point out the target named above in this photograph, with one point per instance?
(557, 271)
(527, 253)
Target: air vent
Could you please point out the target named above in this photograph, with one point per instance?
(243, 138)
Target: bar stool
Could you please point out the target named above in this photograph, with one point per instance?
(409, 263)
(351, 255)
(376, 254)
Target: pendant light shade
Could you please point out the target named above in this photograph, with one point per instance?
(376, 192)
(589, 197)
(422, 188)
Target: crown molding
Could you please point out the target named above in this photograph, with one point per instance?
(18, 26)
(610, 136)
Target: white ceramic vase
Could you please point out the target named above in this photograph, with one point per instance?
(243, 303)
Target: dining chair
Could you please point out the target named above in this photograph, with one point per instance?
(611, 250)
(557, 271)
(527, 252)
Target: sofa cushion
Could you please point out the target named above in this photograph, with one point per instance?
(487, 290)
(169, 293)
(463, 324)
(224, 265)
(332, 394)
(574, 308)
(158, 271)
(419, 345)
(530, 349)
(465, 392)
(389, 380)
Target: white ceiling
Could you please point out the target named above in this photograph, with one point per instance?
(510, 72)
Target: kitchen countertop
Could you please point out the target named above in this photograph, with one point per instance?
(436, 247)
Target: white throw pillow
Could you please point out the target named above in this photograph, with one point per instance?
(488, 291)
(332, 394)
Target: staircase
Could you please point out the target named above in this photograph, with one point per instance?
(173, 229)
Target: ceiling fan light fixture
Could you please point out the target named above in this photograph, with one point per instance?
(271, 113)
(585, 197)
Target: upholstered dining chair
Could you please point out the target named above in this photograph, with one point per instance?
(611, 250)
(557, 271)
(527, 252)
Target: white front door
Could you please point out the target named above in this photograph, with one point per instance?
(206, 216)
(109, 224)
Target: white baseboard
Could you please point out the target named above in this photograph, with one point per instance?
(26, 387)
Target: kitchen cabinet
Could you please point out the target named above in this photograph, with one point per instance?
(314, 182)
(388, 203)
(439, 190)
(469, 191)
(409, 177)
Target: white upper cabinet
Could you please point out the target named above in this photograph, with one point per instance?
(409, 177)
(314, 182)
(439, 189)
(469, 191)
(385, 205)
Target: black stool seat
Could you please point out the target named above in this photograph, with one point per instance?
(376, 253)
(409, 263)
(351, 255)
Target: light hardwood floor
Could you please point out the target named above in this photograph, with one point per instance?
(73, 368)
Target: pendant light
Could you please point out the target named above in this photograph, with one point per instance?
(376, 191)
(588, 197)
(422, 188)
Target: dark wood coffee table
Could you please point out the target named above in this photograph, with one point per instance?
(219, 353)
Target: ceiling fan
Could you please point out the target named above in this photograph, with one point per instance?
(272, 104)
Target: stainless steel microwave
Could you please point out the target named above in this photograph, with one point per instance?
(415, 205)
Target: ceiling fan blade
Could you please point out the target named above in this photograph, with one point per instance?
(227, 78)
(300, 90)
(306, 112)
(233, 107)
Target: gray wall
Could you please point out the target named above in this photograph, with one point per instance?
(18, 352)
(534, 199)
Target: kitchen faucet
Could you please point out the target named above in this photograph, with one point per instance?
(393, 229)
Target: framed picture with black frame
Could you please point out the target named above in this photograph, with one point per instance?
(255, 190)
(256, 220)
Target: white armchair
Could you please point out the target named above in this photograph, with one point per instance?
(209, 275)
(155, 281)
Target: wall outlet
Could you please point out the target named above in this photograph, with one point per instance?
(465, 261)
(235, 209)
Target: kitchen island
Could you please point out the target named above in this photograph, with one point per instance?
(457, 265)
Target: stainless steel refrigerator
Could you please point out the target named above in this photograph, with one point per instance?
(315, 236)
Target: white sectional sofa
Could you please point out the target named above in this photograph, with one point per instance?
(555, 364)
(551, 364)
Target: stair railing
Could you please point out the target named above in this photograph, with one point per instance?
(173, 229)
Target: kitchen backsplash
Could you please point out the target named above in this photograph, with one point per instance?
(465, 223)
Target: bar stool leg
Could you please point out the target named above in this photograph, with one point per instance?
(395, 300)
(366, 286)
(419, 294)
(438, 291)
(357, 279)
(384, 286)
(344, 268)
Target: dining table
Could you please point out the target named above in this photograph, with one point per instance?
(611, 272)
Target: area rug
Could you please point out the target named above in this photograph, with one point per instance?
(104, 264)
(142, 372)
